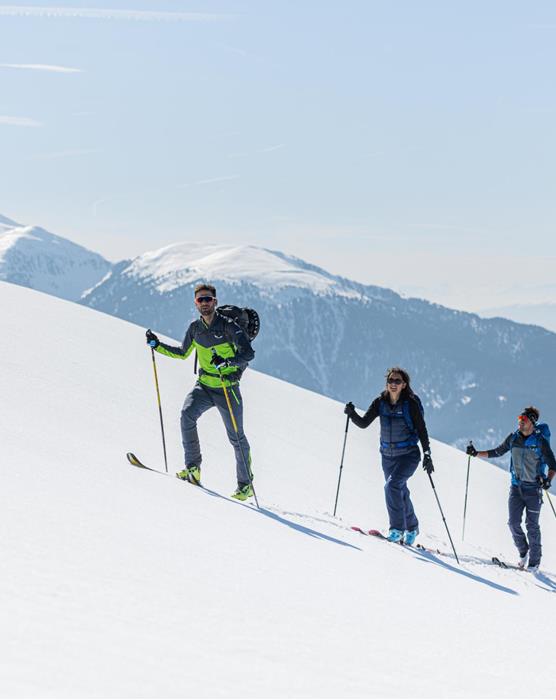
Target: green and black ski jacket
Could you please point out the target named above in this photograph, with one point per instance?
(226, 337)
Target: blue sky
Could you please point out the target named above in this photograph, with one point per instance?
(408, 143)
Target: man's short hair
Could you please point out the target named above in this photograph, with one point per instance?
(202, 286)
(532, 413)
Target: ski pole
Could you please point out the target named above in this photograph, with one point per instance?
(159, 409)
(551, 504)
(229, 404)
(341, 466)
(466, 489)
(443, 518)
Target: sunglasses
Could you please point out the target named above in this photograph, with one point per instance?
(202, 300)
(394, 381)
(522, 417)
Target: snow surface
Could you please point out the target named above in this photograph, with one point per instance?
(119, 582)
(183, 263)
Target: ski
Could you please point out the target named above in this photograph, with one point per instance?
(132, 459)
(504, 565)
(378, 534)
(136, 462)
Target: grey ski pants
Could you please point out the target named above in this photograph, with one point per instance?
(199, 400)
(529, 500)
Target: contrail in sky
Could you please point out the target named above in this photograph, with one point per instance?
(97, 13)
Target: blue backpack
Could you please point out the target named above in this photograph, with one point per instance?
(407, 418)
(541, 430)
(407, 413)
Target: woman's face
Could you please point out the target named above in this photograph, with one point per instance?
(395, 385)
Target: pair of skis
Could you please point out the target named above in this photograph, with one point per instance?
(380, 536)
(376, 533)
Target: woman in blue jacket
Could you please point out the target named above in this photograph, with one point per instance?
(402, 427)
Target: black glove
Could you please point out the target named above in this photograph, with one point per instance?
(427, 463)
(152, 340)
(349, 409)
(471, 451)
(544, 482)
(219, 362)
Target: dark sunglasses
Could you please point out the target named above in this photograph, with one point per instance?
(201, 300)
(394, 381)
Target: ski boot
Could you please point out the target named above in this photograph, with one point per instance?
(191, 474)
(409, 536)
(242, 493)
(394, 535)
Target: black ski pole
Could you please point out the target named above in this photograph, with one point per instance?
(159, 409)
(551, 504)
(341, 465)
(443, 518)
(466, 489)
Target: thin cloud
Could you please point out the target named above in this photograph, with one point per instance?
(208, 181)
(64, 154)
(269, 149)
(211, 180)
(97, 13)
(19, 121)
(41, 67)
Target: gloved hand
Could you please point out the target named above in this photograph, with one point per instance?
(471, 451)
(219, 362)
(152, 340)
(427, 463)
(349, 409)
(544, 482)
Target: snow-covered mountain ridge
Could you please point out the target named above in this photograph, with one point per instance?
(319, 331)
(122, 583)
(338, 337)
(182, 264)
(35, 258)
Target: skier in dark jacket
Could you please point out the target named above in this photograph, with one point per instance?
(532, 468)
(402, 426)
(223, 351)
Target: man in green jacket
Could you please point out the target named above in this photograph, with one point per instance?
(223, 351)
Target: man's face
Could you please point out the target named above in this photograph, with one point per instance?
(205, 302)
(524, 424)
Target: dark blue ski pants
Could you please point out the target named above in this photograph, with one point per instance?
(397, 470)
(530, 501)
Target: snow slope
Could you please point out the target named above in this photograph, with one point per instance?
(118, 582)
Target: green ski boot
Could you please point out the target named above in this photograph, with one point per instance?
(242, 493)
(191, 474)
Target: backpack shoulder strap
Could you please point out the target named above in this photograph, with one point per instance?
(407, 415)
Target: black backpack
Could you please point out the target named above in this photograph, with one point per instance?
(248, 319)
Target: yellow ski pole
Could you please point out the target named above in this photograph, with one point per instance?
(229, 404)
(159, 409)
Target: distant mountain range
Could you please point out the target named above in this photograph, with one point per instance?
(541, 314)
(319, 331)
(33, 257)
